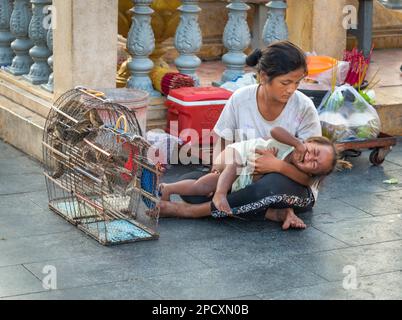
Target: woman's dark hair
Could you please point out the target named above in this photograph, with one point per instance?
(277, 59)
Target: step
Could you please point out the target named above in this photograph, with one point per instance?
(21, 127)
(383, 38)
(157, 109)
(389, 108)
(25, 94)
(156, 124)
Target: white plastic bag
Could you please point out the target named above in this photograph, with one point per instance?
(164, 147)
(323, 80)
(346, 116)
(241, 81)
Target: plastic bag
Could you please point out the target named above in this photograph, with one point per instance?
(323, 80)
(164, 147)
(241, 81)
(345, 115)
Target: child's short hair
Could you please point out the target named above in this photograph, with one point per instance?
(336, 163)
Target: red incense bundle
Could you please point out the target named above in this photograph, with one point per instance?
(173, 80)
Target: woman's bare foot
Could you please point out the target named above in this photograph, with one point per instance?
(221, 203)
(287, 216)
(173, 209)
(164, 191)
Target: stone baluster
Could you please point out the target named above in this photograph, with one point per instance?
(140, 44)
(40, 70)
(275, 28)
(6, 54)
(19, 24)
(236, 38)
(188, 39)
(49, 85)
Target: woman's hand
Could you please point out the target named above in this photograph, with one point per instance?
(300, 152)
(266, 162)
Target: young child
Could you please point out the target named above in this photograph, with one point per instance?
(233, 169)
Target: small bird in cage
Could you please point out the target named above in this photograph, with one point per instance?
(72, 132)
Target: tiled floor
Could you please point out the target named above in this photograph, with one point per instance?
(355, 229)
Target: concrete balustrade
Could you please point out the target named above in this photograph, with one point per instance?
(6, 53)
(19, 25)
(40, 70)
(188, 39)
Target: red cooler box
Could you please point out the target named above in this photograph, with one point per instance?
(195, 108)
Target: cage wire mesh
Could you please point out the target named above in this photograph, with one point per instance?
(97, 172)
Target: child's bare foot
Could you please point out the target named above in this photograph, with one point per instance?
(221, 203)
(164, 191)
(287, 216)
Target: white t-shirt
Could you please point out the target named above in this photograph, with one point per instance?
(246, 150)
(241, 120)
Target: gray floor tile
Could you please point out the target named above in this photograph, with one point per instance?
(368, 260)
(328, 211)
(9, 152)
(31, 223)
(378, 287)
(132, 290)
(396, 174)
(47, 247)
(19, 166)
(18, 204)
(39, 198)
(22, 183)
(253, 297)
(296, 241)
(113, 266)
(366, 231)
(230, 282)
(260, 248)
(253, 222)
(377, 204)
(16, 280)
(182, 230)
(363, 178)
(395, 157)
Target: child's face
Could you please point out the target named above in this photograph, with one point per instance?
(318, 159)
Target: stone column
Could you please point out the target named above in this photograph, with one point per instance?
(365, 26)
(19, 23)
(6, 54)
(39, 71)
(275, 28)
(85, 44)
(188, 39)
(316, 25)
(236, 38)
(140, 44)
(49, 40)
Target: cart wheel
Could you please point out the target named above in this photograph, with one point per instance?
(375, 157)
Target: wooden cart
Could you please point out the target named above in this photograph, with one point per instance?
(380, 147)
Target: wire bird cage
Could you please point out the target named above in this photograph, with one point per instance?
(97, 173)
